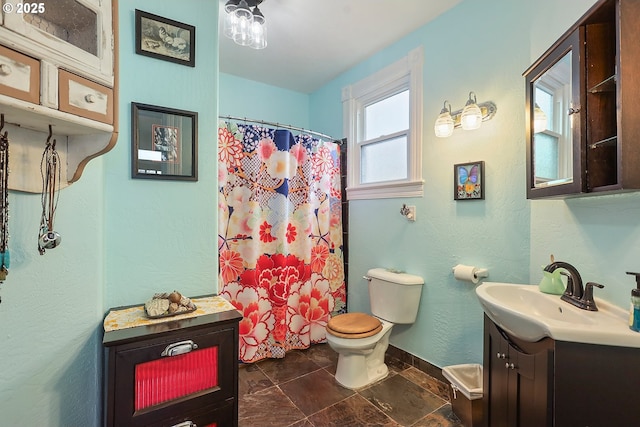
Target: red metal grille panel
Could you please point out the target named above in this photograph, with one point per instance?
(174, 377)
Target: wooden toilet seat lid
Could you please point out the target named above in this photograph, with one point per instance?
(354, 325)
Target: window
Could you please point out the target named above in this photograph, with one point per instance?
(383, 121)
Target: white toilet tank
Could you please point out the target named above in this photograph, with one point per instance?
(395, 297)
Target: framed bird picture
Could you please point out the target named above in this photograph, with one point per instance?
(468, 181)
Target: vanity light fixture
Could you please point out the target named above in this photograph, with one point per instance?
(245, 24)
(468, 118)
(444, 123)
(539, 119)
(471, 115)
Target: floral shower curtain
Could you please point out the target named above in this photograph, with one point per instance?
(279, 236)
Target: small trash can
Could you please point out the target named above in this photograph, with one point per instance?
(466, 392)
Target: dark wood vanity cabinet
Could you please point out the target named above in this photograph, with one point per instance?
(175, 373)
(517, 385)
(553, 383)
(587, 86)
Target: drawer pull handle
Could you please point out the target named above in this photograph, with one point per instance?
(90, 98)
(186, 424)
(5, 69)
(178, 348)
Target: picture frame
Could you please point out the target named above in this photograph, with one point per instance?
(165, 39)
(468, 181)
(164, 143)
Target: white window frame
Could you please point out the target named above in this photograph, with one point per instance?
(401, 75)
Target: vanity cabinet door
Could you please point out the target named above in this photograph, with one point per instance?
(517, 384)
(496, 378)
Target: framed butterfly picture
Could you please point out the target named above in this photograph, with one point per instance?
(469, 181)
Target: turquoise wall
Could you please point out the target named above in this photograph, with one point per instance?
(161, 235)
(50, 363)
(122, 240)
(240, 97)
(480, 46)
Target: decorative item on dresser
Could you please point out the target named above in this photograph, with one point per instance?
(177, 371)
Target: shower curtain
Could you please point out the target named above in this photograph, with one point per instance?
(279, 236)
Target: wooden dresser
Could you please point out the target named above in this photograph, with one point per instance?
(175, 372)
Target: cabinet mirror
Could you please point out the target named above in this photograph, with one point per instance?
(554, 121)
(552, 125)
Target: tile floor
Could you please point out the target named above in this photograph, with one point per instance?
(300, 391)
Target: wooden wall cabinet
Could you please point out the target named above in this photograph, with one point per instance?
(58, 68)
(557, 383)
(586, 83)
(175, 373)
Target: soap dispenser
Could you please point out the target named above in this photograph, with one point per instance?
(634, 312)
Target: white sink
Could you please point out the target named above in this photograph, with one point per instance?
(531, 315)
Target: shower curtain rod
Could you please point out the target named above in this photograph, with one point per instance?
(280, 125)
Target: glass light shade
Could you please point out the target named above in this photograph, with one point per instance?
(230, 25)
(258, 30)
(259, 36)
(539, 119)
(245, 19)
(471, 117)
(444, 124)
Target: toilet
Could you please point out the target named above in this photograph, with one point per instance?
(360, 339)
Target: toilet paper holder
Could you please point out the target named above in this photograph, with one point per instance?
(478, 273)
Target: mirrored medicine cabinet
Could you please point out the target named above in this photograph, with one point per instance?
(582, 109)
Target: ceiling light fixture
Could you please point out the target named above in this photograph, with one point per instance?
(245, 24)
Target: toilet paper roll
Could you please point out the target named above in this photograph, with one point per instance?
(466, 273)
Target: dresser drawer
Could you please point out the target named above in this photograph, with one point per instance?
(85, 98)
(163, 382)
(19, 76)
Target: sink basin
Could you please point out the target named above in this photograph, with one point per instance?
(527, 313)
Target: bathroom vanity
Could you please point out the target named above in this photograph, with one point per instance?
(557, 383)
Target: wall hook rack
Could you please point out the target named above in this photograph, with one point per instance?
(409, 212)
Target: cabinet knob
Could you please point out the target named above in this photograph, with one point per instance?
(90, 98)
(501, 355)
(509, 365)
(5, 69)
(574, 110)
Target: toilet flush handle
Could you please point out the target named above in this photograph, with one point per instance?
(368, 278)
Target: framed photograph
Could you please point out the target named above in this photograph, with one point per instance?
(166, 39)
(164, 143)
(468, 181)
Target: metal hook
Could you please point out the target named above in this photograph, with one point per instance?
(53, 145)
(4, 138)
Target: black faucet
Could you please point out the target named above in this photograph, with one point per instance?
(575, 294)
(574, 281)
